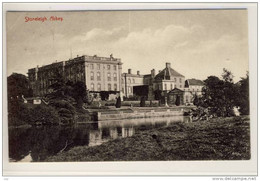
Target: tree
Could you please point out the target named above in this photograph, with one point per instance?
(219, 96)
(17, 85)
(118, 102)
(61, 99)
(79, 93)
(157, 94)
(243, 101)
(178, 101)
(196, 100)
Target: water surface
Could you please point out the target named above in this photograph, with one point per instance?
(36, 143)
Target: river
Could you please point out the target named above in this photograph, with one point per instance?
(34, 144)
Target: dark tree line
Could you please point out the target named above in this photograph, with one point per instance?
(220, 96)
(63, 100)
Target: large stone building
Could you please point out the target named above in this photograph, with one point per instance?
(165, 81)
(104, 74)
(98, 73)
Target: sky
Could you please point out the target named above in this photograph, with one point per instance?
(197, 43)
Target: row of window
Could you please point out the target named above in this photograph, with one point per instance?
(109, 87)
(99, 76)
(92, 66)
(129, 81)
(129, 90)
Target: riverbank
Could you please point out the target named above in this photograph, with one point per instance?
(216, 139)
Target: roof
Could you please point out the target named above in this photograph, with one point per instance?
(175, 90)
(131, 75)
(167, 73)
(195, 82)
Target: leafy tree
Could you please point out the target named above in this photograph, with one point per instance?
(79, 93)
(157, 94)
(178, 101)
(243, 101)
(61, 98)
(219, 96)
(196, 100)
(118, 102)
(17, 85)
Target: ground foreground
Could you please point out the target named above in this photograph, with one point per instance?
(216, 139)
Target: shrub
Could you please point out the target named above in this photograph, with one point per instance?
(142, 102)
(44, 115)
(118, 102)
(178, 101)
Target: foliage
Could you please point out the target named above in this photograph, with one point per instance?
(157, 94)
(104, 95)
(118, 102)
(219, 96)
(44, 115)
(243, 101)
(61, 98)
(196, 100)
(21, 114)
(178, 101)
(18, 85)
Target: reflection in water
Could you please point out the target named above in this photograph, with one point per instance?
(37, 143)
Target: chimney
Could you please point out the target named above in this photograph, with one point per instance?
(168, 65)
(153, 73)
(159, 71)
(138, 72)
(129, 71)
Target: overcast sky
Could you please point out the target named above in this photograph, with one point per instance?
(197, 43)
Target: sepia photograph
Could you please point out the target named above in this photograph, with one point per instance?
(128, 85)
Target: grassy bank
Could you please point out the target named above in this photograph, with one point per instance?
(216, 139)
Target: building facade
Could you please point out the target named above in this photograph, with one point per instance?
(129, 81)
(98, 73)
(168, 79)
(192, 87)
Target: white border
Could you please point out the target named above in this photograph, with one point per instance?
(139, 168)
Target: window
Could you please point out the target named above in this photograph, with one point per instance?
(187, 98)
(92, 87)
(115, 77)
(180, 80)
(133, 81)
(91, 75)
(98, 66)
(115, 87)
(108, 67)
(92, 66)
(122, 80)
(108, 76)
(114, 67)
(122, 89)
(129, 89)
(109, 87)
(180, 86)
(98, 76)
(129, 80)
(99, 87)
(175, 80)
(165, 86)
(171, 87)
